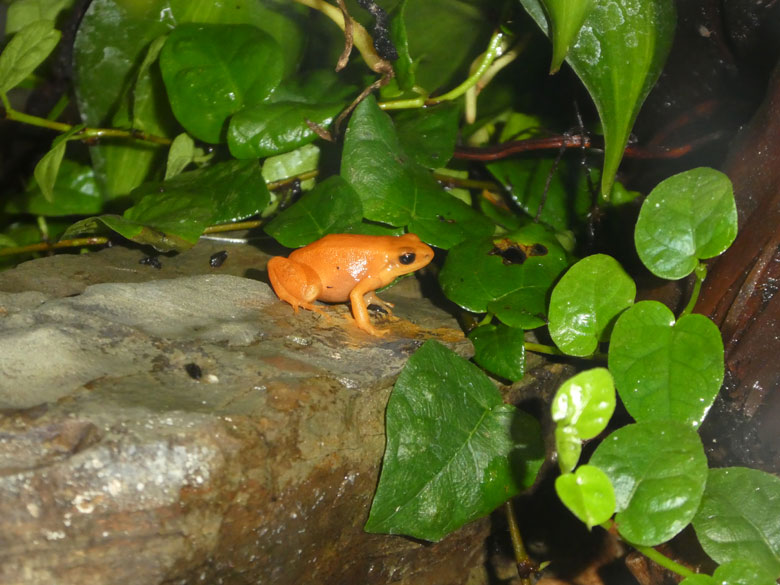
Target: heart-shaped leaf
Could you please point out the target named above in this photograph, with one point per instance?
(618, 54)
(666, 370)
(212, 71)
(688, 217)
(500, 350)
(449, 432)
(738, 518)
(586, 301)
(658, 470)
(585, 402)
(331, 207)
(509, 276)
(588, 494)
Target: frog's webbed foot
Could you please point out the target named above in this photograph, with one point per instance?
(385, 306)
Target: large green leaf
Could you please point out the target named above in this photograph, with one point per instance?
(738, 518)
(509, 276)
(172, 214)
(454, 451)
(586, 301)
(500, 350)
(618, 54)
(23, 12)
(331, 207)
(212, 71)
(75, 193)
(663, 369)
(428, 134)
(688, 217)
(114, 37)
(658, 470)
(396, 190)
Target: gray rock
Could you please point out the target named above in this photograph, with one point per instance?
(162, 428)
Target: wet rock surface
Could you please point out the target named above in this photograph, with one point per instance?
(191, 429)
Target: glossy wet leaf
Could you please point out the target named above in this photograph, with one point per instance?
(274, 128)
(331, 207)
(666, 370)
(290, 164)
(500, 350)
(172, 215)
(566, 18)
(396, 190)
(27, 49)
(568, 447)
(658, 470)
(509, 276)
(588, 494)
(75, 193)
(213, 71)
(454, 450)
(619, 54)
(114, 37)
(738, 518)
(428, 134)
(586, 301)
(743, 572)
(688, 217)
(585, 402)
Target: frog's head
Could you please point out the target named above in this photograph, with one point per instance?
(411, 254)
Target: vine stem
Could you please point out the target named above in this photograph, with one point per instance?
(525, 566)
(700, 273)
(85, 134)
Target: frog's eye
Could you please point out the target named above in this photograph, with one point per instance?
(407, 258)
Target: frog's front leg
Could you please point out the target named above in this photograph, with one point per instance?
(357, 298)
(295, 283)
(372, 299)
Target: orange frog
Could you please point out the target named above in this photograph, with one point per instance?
(341, 267)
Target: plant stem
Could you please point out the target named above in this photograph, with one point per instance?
(47, 246)
(541, 348)
(663, 560)
(525, 566)
(85, 134)
(700, 273)
(493, 51)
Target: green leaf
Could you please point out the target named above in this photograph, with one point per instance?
(738, 518)
(404, 66)
(566, 18)
(75, 193)
(585, 402)
(213, 71)
(24, 12)
(742, 572)
(658, 470)
(173, 214)
(428, 135)
(274, 128)
(567, 198)
(331, 207)
(588, 494)
(396, 190)
(509, 276)
(454, 451)
(619, 53)
(568, 447)
(113, 39)
(299, 161)
(699, 579)
(666, 370)
(500, 350)
(688, 217)
(180, 155)
(48, 167)
(25, 51)
(586, 301)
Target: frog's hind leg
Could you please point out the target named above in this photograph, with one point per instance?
(295, 283)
